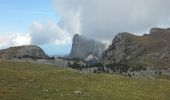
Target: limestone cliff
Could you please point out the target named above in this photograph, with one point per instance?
(151, 50)
(83, 47)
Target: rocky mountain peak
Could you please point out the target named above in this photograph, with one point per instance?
(120, 37)
(160, 33)
(82, 47)
(159, 30)
(76, 37)
(121, 48)
(147, 50)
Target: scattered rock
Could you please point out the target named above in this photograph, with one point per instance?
(45, 90)
(77, 92)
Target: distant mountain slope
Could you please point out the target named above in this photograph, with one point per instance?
(159, 33)
(151, 50)
(23, 51)
(83, 47)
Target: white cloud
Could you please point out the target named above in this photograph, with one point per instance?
(102, 19)
(70, 21)
(60, 33)
(19, 40)
(64, 41)
(2, 42)
(48, 32)
(14, 40)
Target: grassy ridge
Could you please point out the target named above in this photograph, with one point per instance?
(27, 81)
(151, 47)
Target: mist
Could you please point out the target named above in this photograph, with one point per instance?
(103, 19)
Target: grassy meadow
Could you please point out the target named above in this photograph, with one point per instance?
(27, 81)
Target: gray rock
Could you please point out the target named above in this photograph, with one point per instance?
(151, 50)
(83, 47)
(121, 48)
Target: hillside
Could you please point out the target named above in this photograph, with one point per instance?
(27, 51)
(27, 81)
(151, 50)
(160, 33)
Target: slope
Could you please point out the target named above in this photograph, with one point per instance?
(27, 81)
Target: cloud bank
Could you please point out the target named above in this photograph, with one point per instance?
(48, 33)
(59, 33)
(14, 40)
(102, 19)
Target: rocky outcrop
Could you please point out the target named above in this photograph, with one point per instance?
(160, 33)
(122, 48)
(83, 47)
(29, 51)
(151, 50)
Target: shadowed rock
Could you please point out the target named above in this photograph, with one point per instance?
(83, 47)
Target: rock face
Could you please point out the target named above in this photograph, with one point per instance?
(83, 47)
(122, 48)
(152, 50)
(160, 33)
(29, 51)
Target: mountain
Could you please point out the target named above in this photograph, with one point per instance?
(150, 50)
(83, 47)
(28, 51)
(160, 33)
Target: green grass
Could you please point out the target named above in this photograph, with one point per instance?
(27, 81)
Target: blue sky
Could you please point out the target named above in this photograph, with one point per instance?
(16, 16)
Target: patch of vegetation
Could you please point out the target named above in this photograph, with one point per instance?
(76, 65)
(119, 66)
(28, 81)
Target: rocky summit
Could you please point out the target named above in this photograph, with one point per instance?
(150, 50)
(83, 47)
(28, 51)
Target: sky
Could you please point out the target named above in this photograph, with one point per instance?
(18, 20)
(51, 24)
